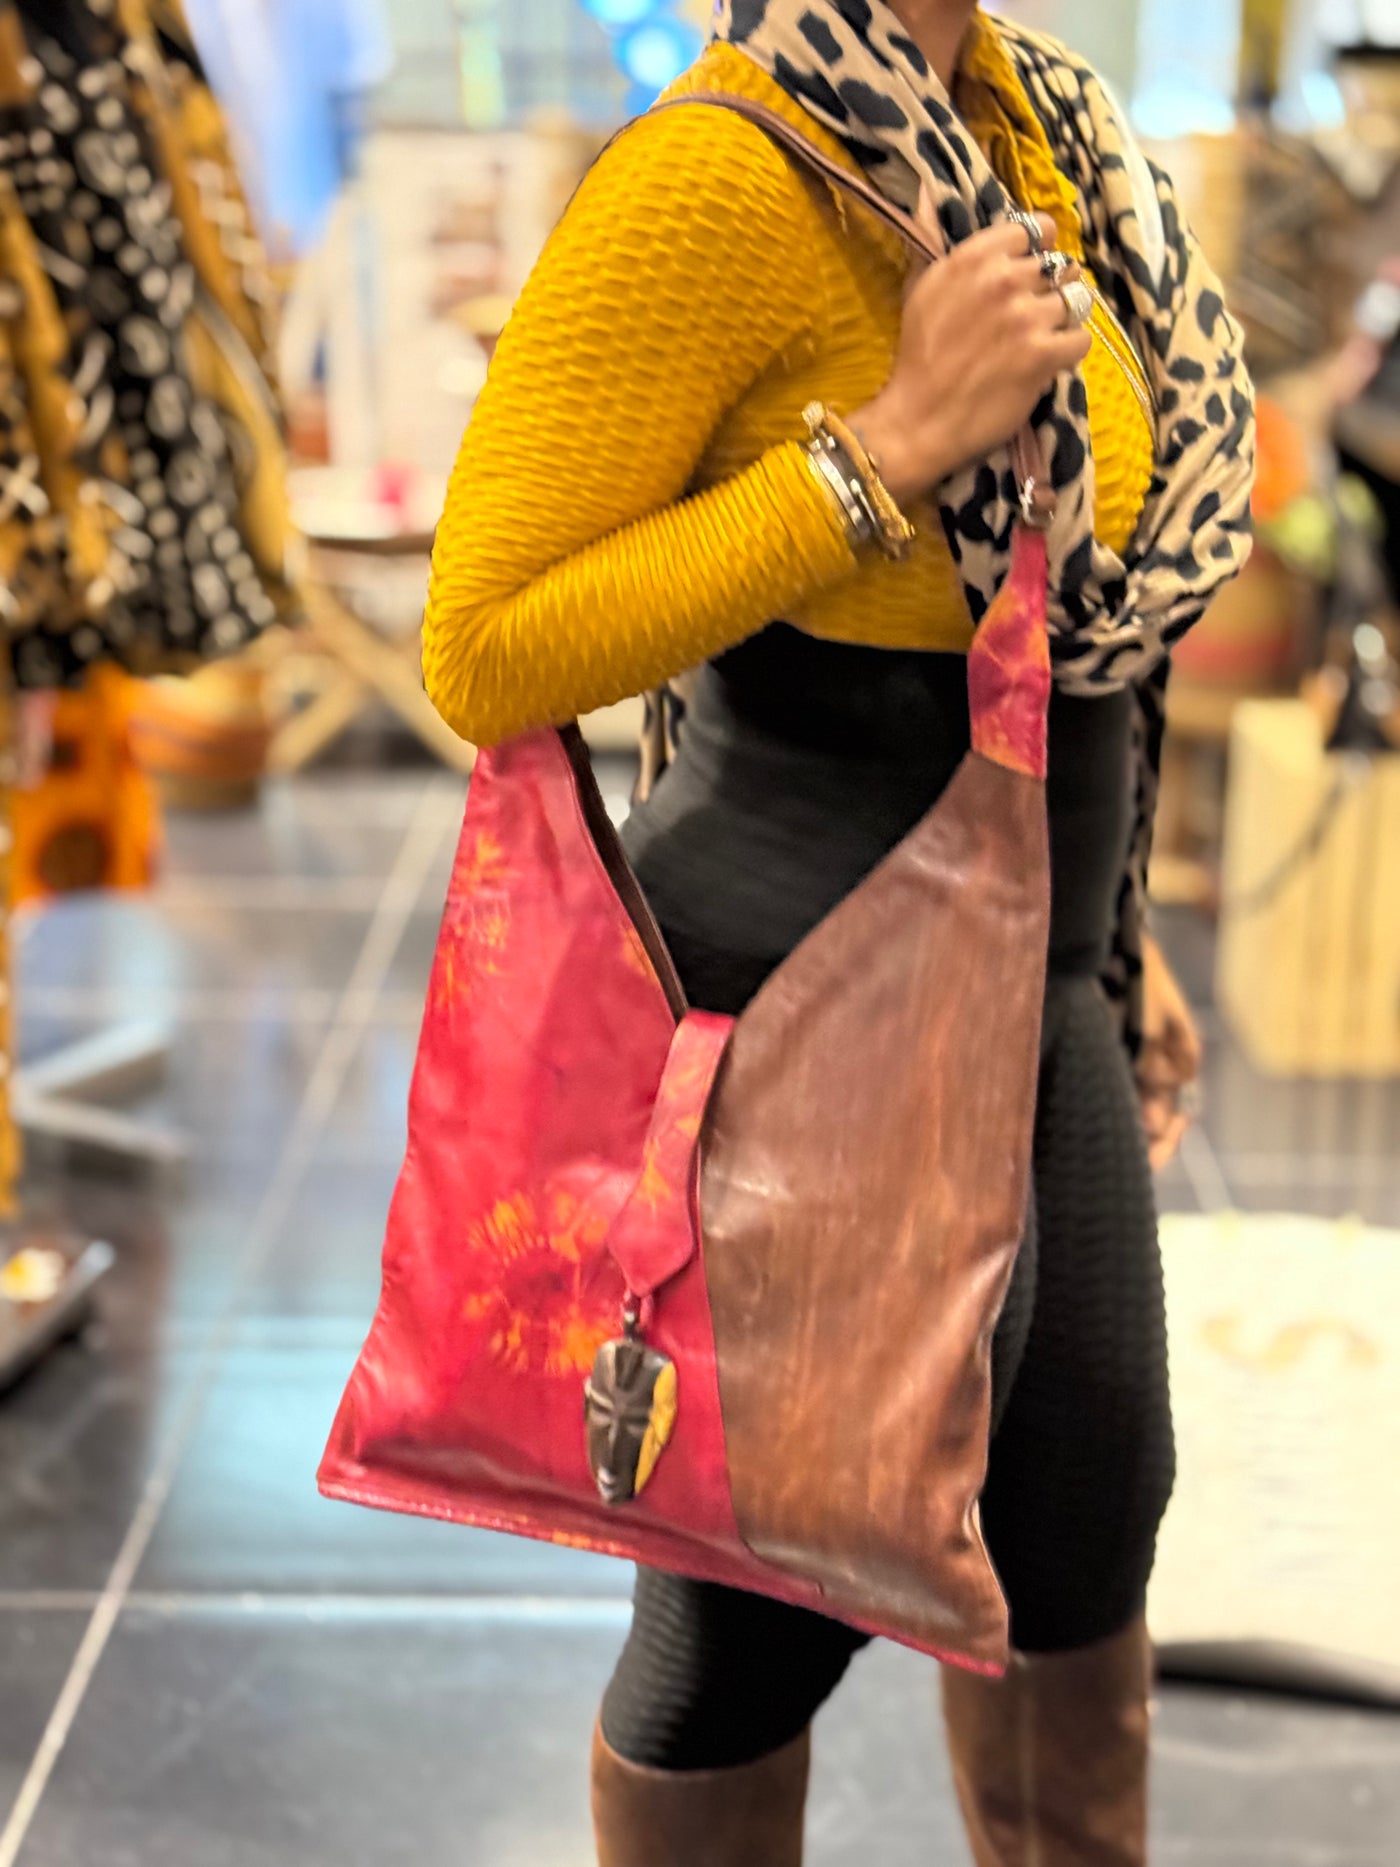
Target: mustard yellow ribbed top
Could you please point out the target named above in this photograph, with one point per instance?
(631, 496)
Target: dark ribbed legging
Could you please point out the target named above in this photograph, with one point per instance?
(1081, 1459)
(801, 764)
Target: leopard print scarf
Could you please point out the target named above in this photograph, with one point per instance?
(852, 67)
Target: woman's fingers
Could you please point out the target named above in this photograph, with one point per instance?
(983, 336)
(1046, 281)
(1162, 1147)
(1006, 246)
(1007, 243)
(1182, 1042)
(1164, 1121)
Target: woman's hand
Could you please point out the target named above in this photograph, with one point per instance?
(983, 338)
(1170, 1059)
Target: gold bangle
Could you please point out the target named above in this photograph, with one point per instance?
(892, 530)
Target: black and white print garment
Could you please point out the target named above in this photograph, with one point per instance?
(163, 461)
(851, 65)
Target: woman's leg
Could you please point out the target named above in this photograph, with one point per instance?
(1052, 1764)
(702, 1749)
(712, 1677)
(1083, 1462)
(713, 1696)
(749, 1814)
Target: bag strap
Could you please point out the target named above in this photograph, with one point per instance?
(924, 239)
(608, 843)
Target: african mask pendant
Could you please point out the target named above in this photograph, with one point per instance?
(630, 1413)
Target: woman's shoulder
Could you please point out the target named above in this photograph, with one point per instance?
(690, 160)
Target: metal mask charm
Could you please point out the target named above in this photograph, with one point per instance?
(630, 1413)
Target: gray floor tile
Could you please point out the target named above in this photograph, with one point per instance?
(241, 1085)
(77, 1441)
(247, 1738)
(36, 1650)
(240, 1741)
(382, 799)
(440, 869)
(229, 1084)
(245, 1513)
(177, 1256)
(311, 829)
(881, 1789)
(156, 956)
(324, 1260)
(1236, 1779)
(1261, 1779)
(371, 1111)
(414, 960)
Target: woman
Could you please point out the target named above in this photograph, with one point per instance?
(638, 496)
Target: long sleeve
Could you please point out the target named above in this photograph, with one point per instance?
(574, 563)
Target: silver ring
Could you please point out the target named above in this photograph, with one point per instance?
(1029, 226)
(1078, 302)
(1055, 264)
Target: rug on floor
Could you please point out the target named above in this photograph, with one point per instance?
(1285, 1355)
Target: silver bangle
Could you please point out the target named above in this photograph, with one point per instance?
(861, 524)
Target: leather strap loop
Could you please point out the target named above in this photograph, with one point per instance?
(655, 1235)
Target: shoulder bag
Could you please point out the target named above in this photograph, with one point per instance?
(717, 1295)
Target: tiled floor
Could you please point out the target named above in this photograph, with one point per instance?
(204, 1665)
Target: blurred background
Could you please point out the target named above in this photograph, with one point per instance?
(229, 815)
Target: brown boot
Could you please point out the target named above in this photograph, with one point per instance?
(746, 1817)
(1050, 1763)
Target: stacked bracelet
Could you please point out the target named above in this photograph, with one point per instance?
(843, 488)
(852, 477)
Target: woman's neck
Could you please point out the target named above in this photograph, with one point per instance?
(938, 28)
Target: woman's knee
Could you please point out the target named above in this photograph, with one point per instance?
(1075, 1547)
(711, 1678)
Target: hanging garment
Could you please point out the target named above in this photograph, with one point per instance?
(142, 500)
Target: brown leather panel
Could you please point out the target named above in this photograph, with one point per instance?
(864, 1185)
